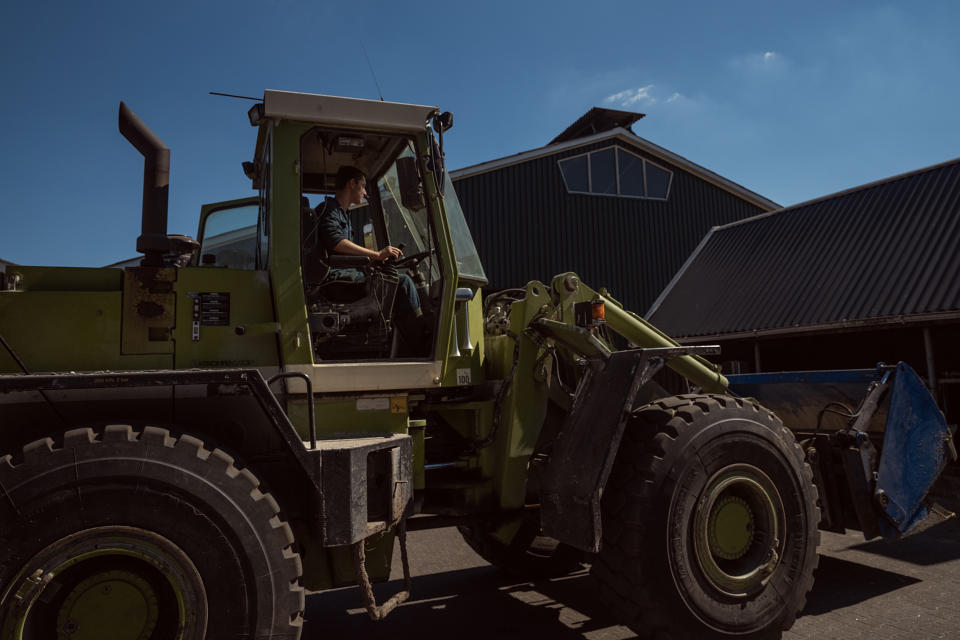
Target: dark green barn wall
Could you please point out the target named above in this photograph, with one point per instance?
(527, 227)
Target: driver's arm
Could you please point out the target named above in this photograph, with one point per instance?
(350, 248)
(332, 227)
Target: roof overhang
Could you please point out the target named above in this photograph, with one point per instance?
(598, 120)
(349, 112)
(886, 322)
(630, 138)
(929, 317)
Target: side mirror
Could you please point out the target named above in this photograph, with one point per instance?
(411, 189)
(441, 123)
(444, 122)
(252, 171)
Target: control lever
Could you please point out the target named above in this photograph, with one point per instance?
(389, 265)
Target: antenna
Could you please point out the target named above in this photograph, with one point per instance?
(375, 81)
(231, 95)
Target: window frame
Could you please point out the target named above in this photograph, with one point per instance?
(616, 158)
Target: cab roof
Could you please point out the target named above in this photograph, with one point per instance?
(351, 112)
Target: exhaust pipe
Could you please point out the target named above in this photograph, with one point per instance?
(153, 242)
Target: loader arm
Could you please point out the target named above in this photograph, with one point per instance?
(573, 474)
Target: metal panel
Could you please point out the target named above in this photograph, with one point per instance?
(367, 483)
(526, 226)
(353, 112)
(886, 250)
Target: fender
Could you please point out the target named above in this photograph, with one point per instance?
(306, 481)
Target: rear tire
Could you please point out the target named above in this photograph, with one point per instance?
(161, 532)
(709, 522)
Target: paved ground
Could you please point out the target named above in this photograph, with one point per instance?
(906, 590)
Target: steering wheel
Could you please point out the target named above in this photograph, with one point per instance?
(412, 260)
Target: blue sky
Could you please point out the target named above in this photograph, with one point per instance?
(791, 100)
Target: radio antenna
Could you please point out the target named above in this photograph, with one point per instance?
(230, 95)
(375, 81)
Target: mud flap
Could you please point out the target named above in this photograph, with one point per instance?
(572, 480)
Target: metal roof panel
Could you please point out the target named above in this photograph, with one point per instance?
(887, 249)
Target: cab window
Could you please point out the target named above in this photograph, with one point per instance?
(229, 237)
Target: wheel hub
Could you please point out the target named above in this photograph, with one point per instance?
(113, 581)
(118, 604)
(737, 530)
(731, 528)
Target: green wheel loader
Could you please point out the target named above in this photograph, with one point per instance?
(189, 444)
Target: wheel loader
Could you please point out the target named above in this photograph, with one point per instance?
(190, 444)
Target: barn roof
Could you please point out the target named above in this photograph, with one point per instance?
(888, 251)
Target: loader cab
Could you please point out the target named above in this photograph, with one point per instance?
(347, 336)
(359, 308)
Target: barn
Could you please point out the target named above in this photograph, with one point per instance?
(599, 200)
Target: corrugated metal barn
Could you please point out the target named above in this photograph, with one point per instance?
(865, 275)
(620, 211)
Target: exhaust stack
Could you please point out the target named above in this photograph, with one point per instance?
(153, 241)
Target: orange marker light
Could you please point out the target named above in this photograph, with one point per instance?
(589, 314)
(599, 311)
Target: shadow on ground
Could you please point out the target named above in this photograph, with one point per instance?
(483, 602)
(470, 603)
(934, 544)
(841, 583)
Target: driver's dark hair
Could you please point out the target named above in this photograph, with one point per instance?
(345, 174)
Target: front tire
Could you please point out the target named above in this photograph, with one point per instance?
(709, 522)
(169, 539)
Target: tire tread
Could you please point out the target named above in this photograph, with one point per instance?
(653, 430)
(79, 443)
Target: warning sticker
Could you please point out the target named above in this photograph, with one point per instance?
(373, 404)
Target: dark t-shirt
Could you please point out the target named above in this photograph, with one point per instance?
(333, 224)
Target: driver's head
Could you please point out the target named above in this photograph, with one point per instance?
(351, 186)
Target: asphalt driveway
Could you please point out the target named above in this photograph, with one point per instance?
(907, 590)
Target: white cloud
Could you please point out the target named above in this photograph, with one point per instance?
(763, 61)
(631, 97)
(646, 97)
(681, 103)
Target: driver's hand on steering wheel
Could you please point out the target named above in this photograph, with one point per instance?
(388, 253)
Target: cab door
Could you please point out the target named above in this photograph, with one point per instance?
(225, 315)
